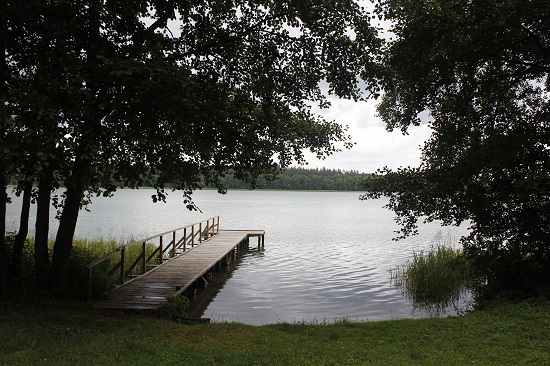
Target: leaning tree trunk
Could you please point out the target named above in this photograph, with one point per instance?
(67, 223)
(41, 255)
(19, 242)
(83, 158)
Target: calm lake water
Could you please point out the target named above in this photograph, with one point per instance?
(327, 255)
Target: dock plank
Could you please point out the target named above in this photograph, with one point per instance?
(173, 277)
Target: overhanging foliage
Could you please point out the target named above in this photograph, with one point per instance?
(481, 69)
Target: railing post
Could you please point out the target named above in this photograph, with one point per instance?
(90, 286)
(161, 250)
(205, 232)
(174, 243)
(144, 259)
(184, 239)
(122, 255)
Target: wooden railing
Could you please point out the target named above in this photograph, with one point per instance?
(179, 241)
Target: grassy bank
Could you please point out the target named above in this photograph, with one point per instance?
(65, 334)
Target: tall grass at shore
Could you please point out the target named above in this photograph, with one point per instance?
(84, 252)
(435, 279)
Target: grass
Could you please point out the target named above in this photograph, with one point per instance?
(71, 334)
(436, 279)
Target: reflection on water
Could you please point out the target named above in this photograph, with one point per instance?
(327, 254)
(205, 296)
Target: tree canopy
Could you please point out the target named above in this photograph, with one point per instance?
(96, 92)
(481, 70)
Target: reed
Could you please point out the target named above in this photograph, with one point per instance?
(97, 248)
(435, 279)
(86, 251)
(104, 279)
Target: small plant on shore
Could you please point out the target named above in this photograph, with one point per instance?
(436, 279)
(174, 309)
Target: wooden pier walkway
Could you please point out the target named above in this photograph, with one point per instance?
(180, 274)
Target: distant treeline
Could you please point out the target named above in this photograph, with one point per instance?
(294, 178)
(306, 179)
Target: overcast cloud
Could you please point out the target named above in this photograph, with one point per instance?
(375, 147)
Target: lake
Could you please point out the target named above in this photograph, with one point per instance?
(327, 255)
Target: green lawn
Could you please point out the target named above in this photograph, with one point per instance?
(47, 334)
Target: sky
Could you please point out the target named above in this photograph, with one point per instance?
(374, 146)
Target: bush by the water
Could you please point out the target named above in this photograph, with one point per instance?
(174, 309)
(435, 279)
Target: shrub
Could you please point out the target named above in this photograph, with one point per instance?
(174, 309)
(509, 269)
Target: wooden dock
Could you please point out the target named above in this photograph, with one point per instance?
(182, 274)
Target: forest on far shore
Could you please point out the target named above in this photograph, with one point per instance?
(298, 178)
(293, 178)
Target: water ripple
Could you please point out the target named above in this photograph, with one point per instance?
(327, 255)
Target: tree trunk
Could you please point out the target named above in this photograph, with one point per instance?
(41, 255)
(19, 243)
(4, 114)
(3, 248)
(67, 223)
